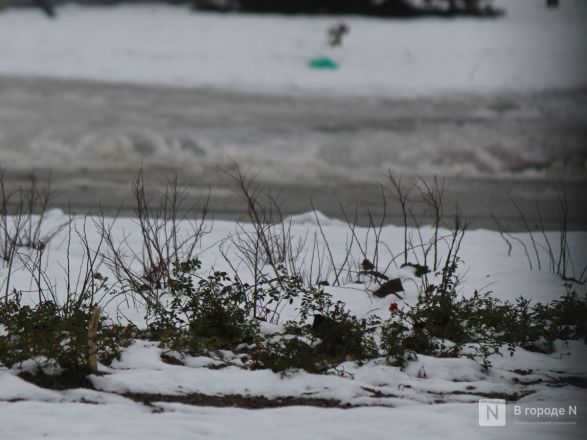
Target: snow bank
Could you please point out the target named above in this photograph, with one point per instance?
(411, 396)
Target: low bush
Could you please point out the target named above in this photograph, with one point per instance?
(442, 324)
(197, 317)
(334, 336)
(56, 337)
(195, 314)
(204, 314)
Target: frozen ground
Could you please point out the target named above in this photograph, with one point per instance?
(430, 398)
(94, 136)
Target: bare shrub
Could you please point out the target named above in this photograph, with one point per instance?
(171, 230)
(556, 255)
(83, 283)
(402, 194)
(22, 213)
(265, 247)
(369, 245)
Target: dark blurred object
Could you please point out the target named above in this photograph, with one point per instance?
(381, 8)
(370, 269)
(419, 270)
(336, 32)
(55, 3)
(391, 287)
(322, 325)
(47, 7)
(367, 265)
(552, 3)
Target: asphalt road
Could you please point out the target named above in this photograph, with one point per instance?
(325, 150)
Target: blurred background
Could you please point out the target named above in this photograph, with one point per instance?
(320, 99)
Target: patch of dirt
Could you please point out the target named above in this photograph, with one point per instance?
(505, 396)
(522, 372)
(576, 381)
(80, 380)
(236, 400)
(61, 382)
(378, 393)
(526, 382)
(171, 360)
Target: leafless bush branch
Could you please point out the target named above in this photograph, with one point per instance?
(22, 214)
(560, 262)
(170, 231)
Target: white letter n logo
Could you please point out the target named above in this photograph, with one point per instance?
(492, 412)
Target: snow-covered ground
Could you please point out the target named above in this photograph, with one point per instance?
(430, 398)
(531, 48)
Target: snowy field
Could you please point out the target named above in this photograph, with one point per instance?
(532, 48)
(429, 398)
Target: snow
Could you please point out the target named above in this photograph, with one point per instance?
(132, 421)
(14, 388)
(181, 422)
(472, 98)
(424, 381)
(430, 398)
(531, 48)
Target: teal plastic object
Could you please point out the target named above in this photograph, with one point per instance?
(323, 63)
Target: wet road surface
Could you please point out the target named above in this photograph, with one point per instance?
(328, 150)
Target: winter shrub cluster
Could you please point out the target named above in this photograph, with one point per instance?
(56, 337)
(194, 311)
(216, 313)
(200, 315)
